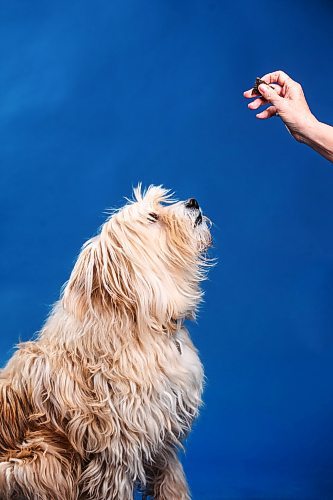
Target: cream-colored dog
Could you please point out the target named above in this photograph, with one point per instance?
(97, 406)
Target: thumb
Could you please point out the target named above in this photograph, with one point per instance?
(269, 94)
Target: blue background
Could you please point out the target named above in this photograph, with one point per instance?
(96, 96)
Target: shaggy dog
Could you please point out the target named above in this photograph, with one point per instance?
(98, 404)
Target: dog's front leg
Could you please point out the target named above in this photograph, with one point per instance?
(167, 480)
(101, 479)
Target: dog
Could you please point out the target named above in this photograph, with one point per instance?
(99, 404)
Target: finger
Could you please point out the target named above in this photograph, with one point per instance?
(270, 94)
(249, 93)
(261, 100)
(257, 103)
(277, 88)
(279, 77)
(267, 113)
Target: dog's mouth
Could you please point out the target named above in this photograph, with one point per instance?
(193, 205)
(198, 220)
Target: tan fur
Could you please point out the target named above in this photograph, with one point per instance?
(98, 405)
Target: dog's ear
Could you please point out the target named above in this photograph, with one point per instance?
(106, 282)
(81, 284)
(100, 281)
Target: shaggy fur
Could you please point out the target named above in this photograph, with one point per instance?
(98, 404)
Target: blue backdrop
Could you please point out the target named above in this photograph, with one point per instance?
(96, 96)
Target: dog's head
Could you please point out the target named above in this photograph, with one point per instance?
(145, 265)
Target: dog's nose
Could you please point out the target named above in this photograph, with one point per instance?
(192, 203)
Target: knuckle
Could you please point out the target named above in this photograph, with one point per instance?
(285, 76)
(281, 73)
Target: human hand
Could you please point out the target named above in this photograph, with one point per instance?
(287, 101)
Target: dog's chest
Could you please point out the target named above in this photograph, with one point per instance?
(178, 387)
(159, 392)
(188, 359)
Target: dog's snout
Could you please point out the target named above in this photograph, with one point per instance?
(192, 203)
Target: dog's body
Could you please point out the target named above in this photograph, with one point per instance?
(99, 403)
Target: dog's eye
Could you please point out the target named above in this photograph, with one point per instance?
(153, 217)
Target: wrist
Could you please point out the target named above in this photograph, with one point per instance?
(308, 130)
(319, 136)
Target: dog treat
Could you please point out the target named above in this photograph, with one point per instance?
(255, 90)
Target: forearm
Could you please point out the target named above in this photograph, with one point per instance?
(319, 136)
